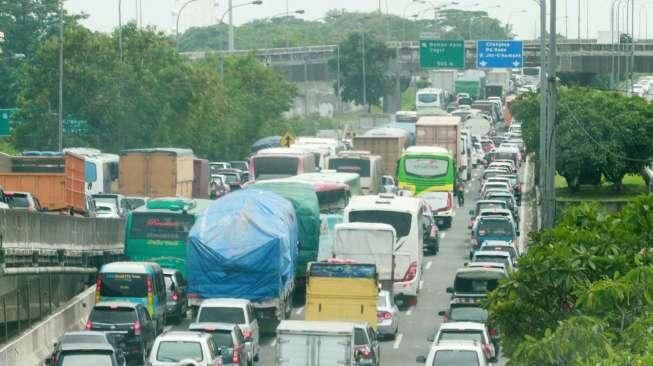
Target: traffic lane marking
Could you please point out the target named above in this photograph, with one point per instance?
(299, 311)
(428, 265)
(421, 284)
(400, 336)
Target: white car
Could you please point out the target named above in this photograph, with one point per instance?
(386, 313)
(468, 353)
(232, 311)
(466, 331)
(106, 210)
(494, 256)
(173, 347)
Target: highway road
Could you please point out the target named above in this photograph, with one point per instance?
(418, 322)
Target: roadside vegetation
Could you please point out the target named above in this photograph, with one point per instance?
(583, 294)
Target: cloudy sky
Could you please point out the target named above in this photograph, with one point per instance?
(522, 14)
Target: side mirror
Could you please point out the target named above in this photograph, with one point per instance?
(450, 290)
(420, 359)
(469, 227)
(430, 338)
(441, 313)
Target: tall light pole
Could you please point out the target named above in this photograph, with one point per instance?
(60, 145)
(364, 71)
(286, 13)
(177, 21)
(548, 218)
(510, 16)
(230, 9)
(120, 28)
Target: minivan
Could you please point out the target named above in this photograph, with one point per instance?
(137, 282)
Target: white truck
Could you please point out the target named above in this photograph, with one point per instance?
(497, 83)
(368, 243)
(314, 343)
(445, 80)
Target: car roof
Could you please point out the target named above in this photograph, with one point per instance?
(183, 335)
(494, 253)
(457, 345)
(495, 210)
(497, 243)
(224, 302)
(212, 326)
(87, 346)
(493, 265)
(117, 304)
(462, 326)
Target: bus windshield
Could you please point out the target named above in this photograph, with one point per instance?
(275, 166)
(351, 165)
(123, 285)
(427, 97)
(426, 167)
(161, 226)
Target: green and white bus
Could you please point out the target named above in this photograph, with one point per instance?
(157, 232)
(426, 169)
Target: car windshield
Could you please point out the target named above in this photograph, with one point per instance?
(232, 178)
(500, 248)
(468, 314)
(460, 335)
(169, 282)
(400, 221)
(17, 200)
(426, 167)
(455, 358)
(495, 227)
(475, 285)
(85, 358)
(110, 315)
(175, 351)
(221, 315)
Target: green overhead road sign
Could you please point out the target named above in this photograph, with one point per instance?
(440, 53)
(5, 119)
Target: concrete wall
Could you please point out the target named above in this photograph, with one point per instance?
(34, 345)
(318, 98)
(27, 230)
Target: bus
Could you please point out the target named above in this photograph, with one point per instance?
(430, 100)
(280, 162)
(366, 165)
(353, 180)
(157, 232)
(427, 169)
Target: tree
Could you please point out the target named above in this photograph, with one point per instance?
(461, 24)
(377, 57)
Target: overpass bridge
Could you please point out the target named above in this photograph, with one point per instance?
(303, 64)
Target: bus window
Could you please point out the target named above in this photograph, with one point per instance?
(276, 166)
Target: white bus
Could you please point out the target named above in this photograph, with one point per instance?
(366, 165)
(405, 215)
(430, 100)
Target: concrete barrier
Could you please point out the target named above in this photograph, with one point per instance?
(35, 345)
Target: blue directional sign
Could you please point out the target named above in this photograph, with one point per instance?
(499, 54)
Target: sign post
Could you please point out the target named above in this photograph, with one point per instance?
(5, 119)
(440, 53)
(499, 54)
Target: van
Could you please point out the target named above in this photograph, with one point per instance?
(136, 282)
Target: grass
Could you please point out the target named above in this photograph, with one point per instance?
(632, 185)
(408, 99)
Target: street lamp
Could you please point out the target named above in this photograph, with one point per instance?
(643, 9)
(230, 9)
(178, 14)
(510, 16)
(61, 75)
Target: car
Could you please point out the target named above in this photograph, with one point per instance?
(233, 178)
(506, 197)
(218, 186)
(489, 173)
(501, 165)
(106, 210)
(229, 341)
(111, 199)
(386, 313)
(516, 186)
(215, 165)
(492, 228)
(471, 284)
(465, 331)
(128, 325)
(22, 201)
(459, 353)
(431, 233)
(176, 294)
(177, 347)
(232, 311)
(367, 350)
(441, 204)
(488, 191)
(487, 256)
(487, 212)
(460, 311)
(502, 246)
(79, 338)
(490, 185)
(86, 350)
(484, 205)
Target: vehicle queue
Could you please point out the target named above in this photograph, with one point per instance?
(321, 223)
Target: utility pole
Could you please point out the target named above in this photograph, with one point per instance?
(632, 44)
(579, 7)
(60, 75)
(120, 28)
(543, 70)
(364, 71)
(231, 26)
(548, 218)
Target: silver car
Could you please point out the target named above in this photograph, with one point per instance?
(386, 311)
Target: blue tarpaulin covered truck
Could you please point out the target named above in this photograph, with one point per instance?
(245, 246)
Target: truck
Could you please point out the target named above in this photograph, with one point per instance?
(497, 83)
(445, 80)
(444, 131)
(57, 181)
(159, 172)
(315, 343)
(387, 142)
(244, 246)
(472, 82)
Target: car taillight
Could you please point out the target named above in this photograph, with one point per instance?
(247, 334)
(137, 327)
(474, 242)
(175, 296)
(383, 315)
(98, 286)
(493, 332)
(235, 358)
(89, 325)
(411, 273)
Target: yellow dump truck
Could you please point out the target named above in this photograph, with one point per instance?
(342, 291)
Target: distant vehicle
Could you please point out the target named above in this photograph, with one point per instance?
(217, 165)
(233, 178)
(430, 100)
(265, 143)
(426, 169)
(238, 312)
(367, 350)
(133, 202)
(136, 282)
(386, 313)
(228, 338)
(240, 164)
(176, 294)
(473, 284)
(106, 210)
(388, 185)
(492, 228)
(22, 201)
(441, 204)
(353, 180)
(100, 169)
(466, 331)
(501, 246)
(281, 162)
(218, 186)
(326, 343)
(490, 256)
(126, 324)
(175, 346)
(466, 353)
(463, 311)
(445, 132)
(158, 231)
(85, 346)
(367, 166)
(431, 233)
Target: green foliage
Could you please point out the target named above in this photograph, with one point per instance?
(597, 134)
(337, 25)
(376, 58)
(153, 97)
(584, 290)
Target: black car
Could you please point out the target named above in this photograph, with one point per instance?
(128, 325)
(85, 348)
(176, 291)
(74, 340)
(229, 341)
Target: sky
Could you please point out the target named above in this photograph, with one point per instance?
(523, 15)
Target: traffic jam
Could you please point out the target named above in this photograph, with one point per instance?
(375, 248)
